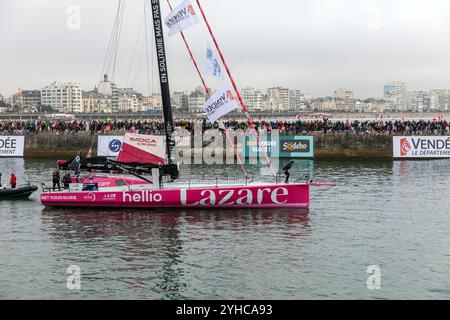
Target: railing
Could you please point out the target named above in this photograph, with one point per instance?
(280, 178)
(45, 188)
(216, 182)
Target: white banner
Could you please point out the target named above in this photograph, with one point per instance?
(143, 143)
(212, 66)
(421, 147)
(109, 146)
(12, 146)
(221, 103)
(180, 18)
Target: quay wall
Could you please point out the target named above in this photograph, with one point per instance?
(50, 145)
(333, 146)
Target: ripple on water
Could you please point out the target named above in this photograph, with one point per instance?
(391, 214)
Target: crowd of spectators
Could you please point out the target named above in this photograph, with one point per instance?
(298, 127)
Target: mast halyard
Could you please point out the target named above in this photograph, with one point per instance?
(165, 91)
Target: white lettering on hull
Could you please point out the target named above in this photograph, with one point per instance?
(145, 196)
(244, 197)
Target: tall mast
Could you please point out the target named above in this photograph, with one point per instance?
(164, 81)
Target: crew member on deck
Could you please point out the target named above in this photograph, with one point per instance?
(13, 181)
(286, 170)
(66, 180)
(56, 179)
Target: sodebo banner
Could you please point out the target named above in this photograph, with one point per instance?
(421, 147)
(109, 146)
(12, 146)
(281, 146)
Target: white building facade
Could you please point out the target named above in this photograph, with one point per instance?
(196, 101)
(397, 93)
(63, 97)
(253, 98)
(94, 102)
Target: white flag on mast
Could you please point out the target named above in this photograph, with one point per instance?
(181, 17)
(212, 66)
(220, 103)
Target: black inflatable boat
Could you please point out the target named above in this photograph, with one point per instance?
(20, 192)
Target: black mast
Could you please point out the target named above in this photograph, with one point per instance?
(164, 81)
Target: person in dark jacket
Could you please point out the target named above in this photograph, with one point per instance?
(66, 180)
(286, 170)
(56, 179)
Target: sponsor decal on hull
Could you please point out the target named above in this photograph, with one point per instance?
(232, 197)
(264, 196)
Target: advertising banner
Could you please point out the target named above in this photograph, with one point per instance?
(296, 147)
(252, 149)
(419, 147)
(12, 146)
(109, 146)
(219, 104)
(142, 148)
(280, 146)
(181, 17)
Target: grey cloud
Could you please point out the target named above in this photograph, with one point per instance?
(313, 45)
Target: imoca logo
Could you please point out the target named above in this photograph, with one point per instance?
(115, 145)
(405, 147)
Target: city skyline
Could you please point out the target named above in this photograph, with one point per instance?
(107, 97)
(320, 46)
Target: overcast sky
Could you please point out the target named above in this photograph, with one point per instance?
(313, 45)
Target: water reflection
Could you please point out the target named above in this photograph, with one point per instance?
(151, 246)
(81, 223)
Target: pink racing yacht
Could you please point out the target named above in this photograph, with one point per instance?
(145, 175)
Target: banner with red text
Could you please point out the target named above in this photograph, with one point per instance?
(410, 147)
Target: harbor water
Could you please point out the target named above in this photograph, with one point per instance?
(389, 216)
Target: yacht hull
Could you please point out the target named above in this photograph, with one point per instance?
(255, 196)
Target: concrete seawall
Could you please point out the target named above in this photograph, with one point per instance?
(351, 146)
(48, 145)
(338, 147)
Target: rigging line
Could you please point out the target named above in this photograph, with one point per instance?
(116, 47)
(108, 49)
(208, 93)
(137, 71)
(134, 51)
(114, 44)
(241, 101)
(113, 40)
(146, 50)
(111, 49)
